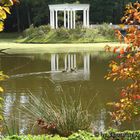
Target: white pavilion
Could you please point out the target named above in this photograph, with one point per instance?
(69, 15)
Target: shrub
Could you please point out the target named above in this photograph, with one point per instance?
(44, 28)
(76, 34)
(62, 33)
(28, 32)
(83, 135)
(128, 68)
(106, 30)
(30, 137)
(45, 34)
(33, 32)
(91, 34)
(63, 117)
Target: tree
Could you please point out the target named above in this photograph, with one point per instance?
(128, 67)
(37, 12)
(4, 10)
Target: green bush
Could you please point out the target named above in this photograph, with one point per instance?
(82, 135)
(30, 137)
(44, 28)
(76, 34)
(106, 30)
(29, 31)
(90, 35)
(62, 33)
(47, 35)
(36, 32)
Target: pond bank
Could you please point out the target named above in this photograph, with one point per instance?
(20, 48)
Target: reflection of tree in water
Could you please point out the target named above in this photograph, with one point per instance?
(15, 121)
(99, 124)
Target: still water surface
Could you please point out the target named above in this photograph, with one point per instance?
(74, 73)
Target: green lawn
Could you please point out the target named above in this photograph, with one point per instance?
(7, 41)
(20, 48)
(8, 37)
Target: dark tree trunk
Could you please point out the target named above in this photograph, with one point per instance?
(18, 19)
(28, 15)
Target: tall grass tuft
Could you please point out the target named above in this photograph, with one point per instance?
(63, 116)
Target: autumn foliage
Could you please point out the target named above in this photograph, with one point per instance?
(128, 67)
(4, 10)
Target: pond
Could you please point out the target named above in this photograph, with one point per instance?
(73, 73)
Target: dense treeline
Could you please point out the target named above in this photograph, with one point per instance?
(36, 12)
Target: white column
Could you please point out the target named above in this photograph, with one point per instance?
(84, 18)
(53, 62)
(53, 24)
(65, 19)
(69, 62)
(88, 18)
(56, 18)
(71, 20)
(72, 64)
(88, 63)
(68, 19)
(74, 60)
(66, 62)
(85, 64)
(57, 62)
(52, 68)
(74, 19)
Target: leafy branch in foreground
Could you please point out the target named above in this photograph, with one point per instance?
(4, 10)
(128, 67)
(2, 78)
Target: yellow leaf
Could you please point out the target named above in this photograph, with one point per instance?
(107, 78)
(122, 100)
(110, 103)
(132, 86)
(114, 79)
(128, 56)
(121, 26)
(1, 99)
(1, 118)
(114, 67)
(1, 25)
(7, 9)
(1, 90)
(7, 3)
(3, 14)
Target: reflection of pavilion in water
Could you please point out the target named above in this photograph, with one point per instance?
(70, 69)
